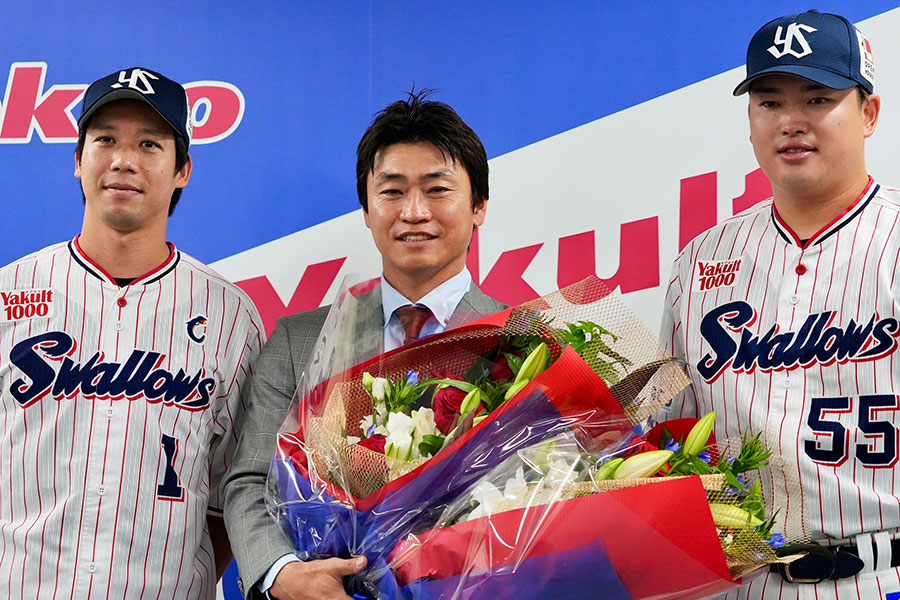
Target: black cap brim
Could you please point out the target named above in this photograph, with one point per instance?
(121, 94)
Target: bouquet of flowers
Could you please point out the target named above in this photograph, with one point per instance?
(501, 457)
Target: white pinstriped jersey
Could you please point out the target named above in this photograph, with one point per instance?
(118, 419)
(800, 341)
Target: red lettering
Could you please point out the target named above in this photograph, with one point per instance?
(757, 187)
(638, 257)
(42, 309)
(309, 294)
(217, 108)
(697, 207)
(26, 108)
(504, 282)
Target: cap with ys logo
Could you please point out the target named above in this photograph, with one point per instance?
(167, 97)
(824, 48)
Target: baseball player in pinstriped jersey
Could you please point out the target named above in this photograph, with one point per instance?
(122, 365)
(787, 314)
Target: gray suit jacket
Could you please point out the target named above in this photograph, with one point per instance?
(256, 539)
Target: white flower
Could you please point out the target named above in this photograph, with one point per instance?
(488, 497)
(379, 388)
(559, 472)
(380, 413)
(399, 442)
(423, 420)
(515, 484)
(365, 423)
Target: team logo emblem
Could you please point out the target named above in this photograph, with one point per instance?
(20, 305)
(786, 40)
(196, 329)
(138, 79)
(715, 274)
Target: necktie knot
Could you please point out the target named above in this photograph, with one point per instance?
(412, 318)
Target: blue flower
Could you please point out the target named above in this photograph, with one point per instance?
(704, 456)
(412, 378)
(776, 541)
(672, 445)
(735, 491)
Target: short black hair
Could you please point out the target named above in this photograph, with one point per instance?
(414, 120)
(862, 94)
(181, 159)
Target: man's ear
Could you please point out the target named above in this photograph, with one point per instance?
(871, 108)
(184, 174)
(479, 212)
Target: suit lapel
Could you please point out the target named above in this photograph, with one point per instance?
(473, 305)
(370, 327)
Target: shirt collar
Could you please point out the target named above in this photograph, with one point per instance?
(848, 215)
(442, 300)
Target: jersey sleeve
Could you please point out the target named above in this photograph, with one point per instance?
(234, 400)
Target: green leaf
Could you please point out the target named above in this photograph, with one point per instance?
(430, 444)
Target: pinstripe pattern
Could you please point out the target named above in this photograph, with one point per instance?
(81, 513)
(850, 268)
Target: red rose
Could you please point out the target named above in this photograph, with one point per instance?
(374, 442)
(446, 405)
(501, 371)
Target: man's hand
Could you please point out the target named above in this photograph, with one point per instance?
(221, 547)
(315, 580)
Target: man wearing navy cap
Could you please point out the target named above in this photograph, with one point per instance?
(122, 363)
(801, 342)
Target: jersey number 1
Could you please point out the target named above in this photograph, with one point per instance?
(170, 488)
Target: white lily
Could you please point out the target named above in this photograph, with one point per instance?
(559, 472)
(515, 484)
(488, 496)
(423, 423)
(399, 442)
(379, 388)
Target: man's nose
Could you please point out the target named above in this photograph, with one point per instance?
(415, 208)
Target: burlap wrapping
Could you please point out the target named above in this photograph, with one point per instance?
(642, 387)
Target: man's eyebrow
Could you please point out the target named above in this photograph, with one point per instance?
(774, 89)
(389, 176)
(155, 131)
(435, 175)
(769, 89)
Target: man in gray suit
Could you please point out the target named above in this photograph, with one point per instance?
(422, 181)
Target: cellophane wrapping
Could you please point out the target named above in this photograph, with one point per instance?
(509, 508)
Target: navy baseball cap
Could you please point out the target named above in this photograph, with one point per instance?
(824, 48)
(167, 97)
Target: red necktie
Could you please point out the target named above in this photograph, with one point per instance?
(412, 317)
